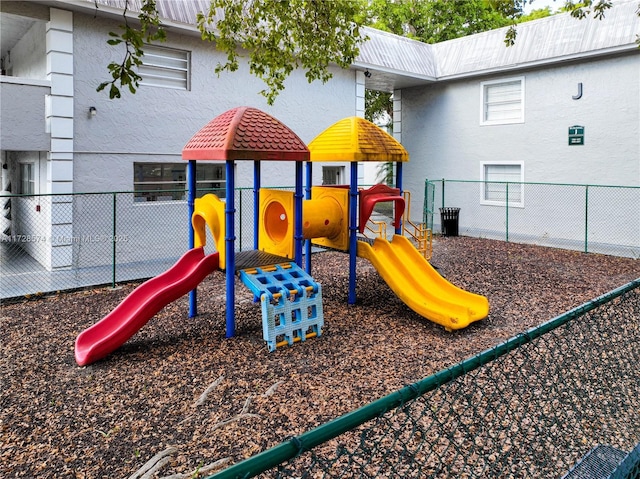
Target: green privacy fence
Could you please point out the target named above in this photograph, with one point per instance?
(551, 401)
(59, 242)
(588, 218)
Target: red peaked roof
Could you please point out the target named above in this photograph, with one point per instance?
(245, 133)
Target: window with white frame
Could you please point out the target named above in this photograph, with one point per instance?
(27, 179)
(333, 175)
(502, 101)
(502, 182)
(168, 181)
(165, 67)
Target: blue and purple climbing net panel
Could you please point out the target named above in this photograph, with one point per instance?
(291, 303)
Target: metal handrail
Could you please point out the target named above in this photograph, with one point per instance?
(421, 235)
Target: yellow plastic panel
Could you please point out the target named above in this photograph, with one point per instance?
(209, 211)
(356, 139)
(325, 217)
(276, 223)
(420, 286)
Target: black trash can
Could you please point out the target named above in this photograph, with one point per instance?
(449, 218)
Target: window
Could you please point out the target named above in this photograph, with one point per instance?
(165, 67)
(500, 180)
(168, 181)
(502, 101)
(27, 179)
(333, 175)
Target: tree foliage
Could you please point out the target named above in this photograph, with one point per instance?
(379, 110)
(595, 9)
(429, 21)
(433, 21)
(276, 37)
(124, 73)
(378, 107)
(279, 37)
(535, 14)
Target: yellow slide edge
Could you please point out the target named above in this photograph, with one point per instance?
(420, 286)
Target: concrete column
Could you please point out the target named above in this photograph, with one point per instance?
(360, 89)
(59, 116)
(397, 115)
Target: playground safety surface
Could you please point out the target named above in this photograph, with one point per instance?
(58, 420)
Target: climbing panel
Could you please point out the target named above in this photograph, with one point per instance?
(291, 303)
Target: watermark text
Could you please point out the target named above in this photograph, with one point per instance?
(65, 239)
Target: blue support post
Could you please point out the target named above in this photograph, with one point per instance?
(297, 209)
(230, 250)
(353, 213)
(191, 199)
(399, 186)
(307, 251)
(256, 202)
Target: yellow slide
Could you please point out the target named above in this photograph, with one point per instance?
(420, 286)
(209, 211)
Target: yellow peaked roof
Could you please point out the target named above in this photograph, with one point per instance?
(356, 139)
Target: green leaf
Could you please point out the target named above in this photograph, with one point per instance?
(114, 92)
(277, 37)
(510, 36)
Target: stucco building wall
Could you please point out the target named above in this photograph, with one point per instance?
(441, 130)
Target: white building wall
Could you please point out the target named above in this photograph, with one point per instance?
(442, 133)
(438, 124)
(44, 56)
(154, 125)
(22, 114)
(164, 119)
(30, 222)
(27, 58)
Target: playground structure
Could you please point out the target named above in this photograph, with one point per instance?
(335, 217)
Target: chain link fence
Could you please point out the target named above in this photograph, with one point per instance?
(58, 242)
(50, 243)
(560, 400)
(588, 218)
(545, 403)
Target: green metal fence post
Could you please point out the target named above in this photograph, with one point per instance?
(424, 203)
(586, 218)
(113, 242)
(443, 180)
(429, 203)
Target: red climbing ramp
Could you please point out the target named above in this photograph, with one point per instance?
(142, 304)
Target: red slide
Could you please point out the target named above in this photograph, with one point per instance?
(142, 304)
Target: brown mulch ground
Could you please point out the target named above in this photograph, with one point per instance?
(106, 420)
